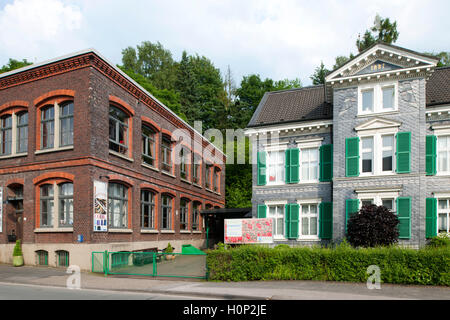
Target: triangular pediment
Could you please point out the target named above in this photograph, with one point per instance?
(382, 59)
(378, 123)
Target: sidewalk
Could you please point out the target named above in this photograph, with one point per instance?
(259, 290)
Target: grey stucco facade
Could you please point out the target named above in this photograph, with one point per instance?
(411, 115)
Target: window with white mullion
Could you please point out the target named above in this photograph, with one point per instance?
(308, 221)
(276, 212)
(377, 98)
(6, 128)
(443, 215)
(309, 164)
(388, 94)
(367, 100)
(275, 166)
(387, 153)
(443, 152)
(22, 132)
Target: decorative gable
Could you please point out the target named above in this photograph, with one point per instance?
(382, 60)
(377, 124)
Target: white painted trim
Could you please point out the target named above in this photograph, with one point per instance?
(377, 89)
(309, 201)
(441, 194)
(275, 202)
(378, 125)
(377, 152)
(294, 126)
(309, 143)
(376, 191)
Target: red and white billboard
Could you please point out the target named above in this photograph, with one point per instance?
(247, 231)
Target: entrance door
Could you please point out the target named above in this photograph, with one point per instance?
(17, 203)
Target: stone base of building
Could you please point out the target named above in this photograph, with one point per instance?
(81, 254)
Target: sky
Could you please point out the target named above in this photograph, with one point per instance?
(277, 39)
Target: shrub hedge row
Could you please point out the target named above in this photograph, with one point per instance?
(430, 266)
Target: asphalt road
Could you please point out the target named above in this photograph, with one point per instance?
(37, 292)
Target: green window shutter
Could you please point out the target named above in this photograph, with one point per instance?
(261, 168)
(326, 220)
(326, 162)
(431, 218)
(431, 155)
(287, 166)
(262, 211)
(291, 165)
(404, 216)
(292, 212)
(352, 157)
(403, 152)
(351, 207)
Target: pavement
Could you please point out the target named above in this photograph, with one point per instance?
(202, 289)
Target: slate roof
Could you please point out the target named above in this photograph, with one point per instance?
(292, 105)
(438, 87)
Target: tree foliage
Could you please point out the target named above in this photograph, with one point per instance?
(373, 226)
(14, 64)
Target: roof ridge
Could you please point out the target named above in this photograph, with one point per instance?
(297, 89)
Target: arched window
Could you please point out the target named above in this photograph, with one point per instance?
(66, 205)
(166, 212)
(184, 214)
(41, 258)
(148, 145)
(118, 205)
(62, 258)
(66, 124)
(118, 130)
(6, 135)
(148, 212)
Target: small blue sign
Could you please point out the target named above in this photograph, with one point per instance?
(80, 238)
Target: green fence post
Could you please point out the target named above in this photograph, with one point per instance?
(105, 262)
(154, 265)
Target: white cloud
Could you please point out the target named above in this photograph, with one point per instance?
(39, 29)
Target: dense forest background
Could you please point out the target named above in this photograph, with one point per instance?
(196, 90)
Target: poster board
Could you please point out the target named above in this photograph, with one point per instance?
(100, 206)
(248, 231)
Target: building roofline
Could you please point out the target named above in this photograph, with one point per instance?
(94, 51)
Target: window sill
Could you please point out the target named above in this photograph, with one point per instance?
(167, 231)
(308, 239)
(167, 174)
(207, 189)
(117, 154)
(197, 185)
(44, 230)
(120, 230)
(16, 155)
(150, 167)
(185, 231)
(197, 231)
(149, 231)
(53, 150)
(185, 181)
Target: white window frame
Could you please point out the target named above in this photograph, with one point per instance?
(302, 203)
(378, 197)
(281, 150)
(309, 144)
(441, 135)
(274, 204)
(442, 211)
(377, 97)
(377, 165)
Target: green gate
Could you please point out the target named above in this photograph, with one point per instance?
(154, 264)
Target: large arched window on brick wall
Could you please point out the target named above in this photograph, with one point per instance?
(118, 205)
(166, 154)
(118, 130)
(196, 207)
(14, 128)
(149, 146)
(184, 213)
(56, 127)
(56, 199)
(166, 212)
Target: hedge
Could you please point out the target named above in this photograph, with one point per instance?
(430, 266)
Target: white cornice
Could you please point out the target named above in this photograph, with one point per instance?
(300, 127)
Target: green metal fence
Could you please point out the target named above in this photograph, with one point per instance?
(155, 264)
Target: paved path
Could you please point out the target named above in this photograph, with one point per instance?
(260, 290)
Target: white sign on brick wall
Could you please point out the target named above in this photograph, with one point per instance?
(100, 206)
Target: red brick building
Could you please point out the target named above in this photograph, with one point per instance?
(76, 121)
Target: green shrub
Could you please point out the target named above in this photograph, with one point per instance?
(441, 240)
(169, 248)
(282, 246)
(342, 263)
(17, 249)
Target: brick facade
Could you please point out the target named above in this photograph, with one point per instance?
(92, 84)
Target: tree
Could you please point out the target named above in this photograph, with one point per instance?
(382, 30)
(319, 74)
(14, 64)
(444, 58)
(373, 226)
(152, 61)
